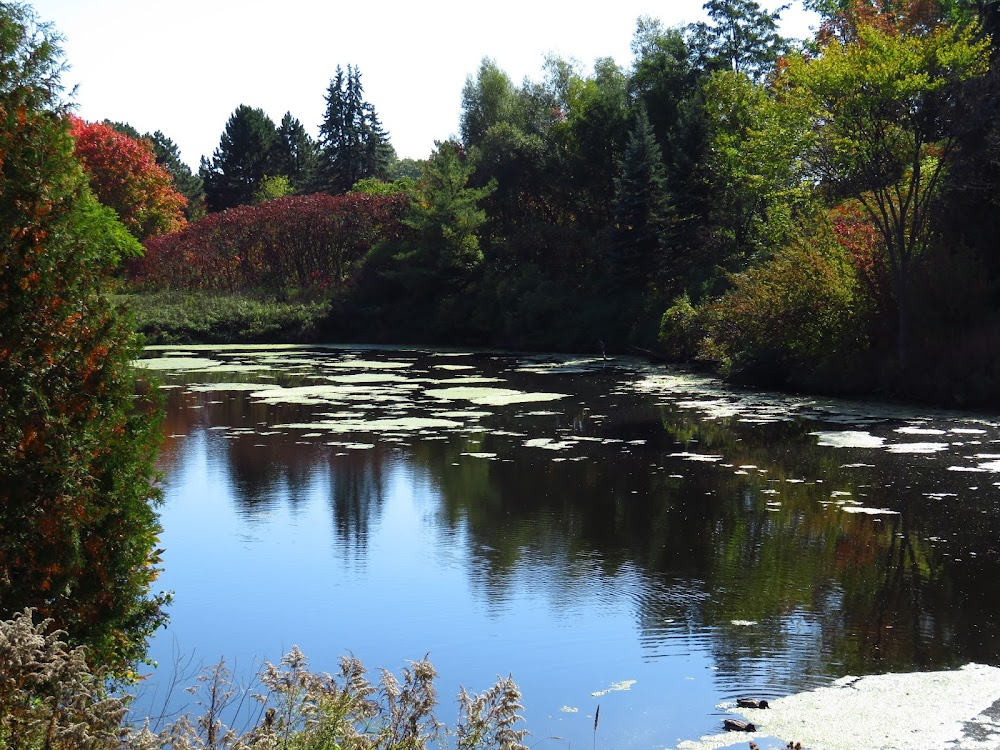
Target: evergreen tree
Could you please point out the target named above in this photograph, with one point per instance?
(642, 210)
(186, 182)
(445, 211)
(245, 156)
(295, 152)
(77, 527)
(352, 143)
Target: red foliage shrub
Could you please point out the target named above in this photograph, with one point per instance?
(857, 234)
(124, 175)
(305, 242)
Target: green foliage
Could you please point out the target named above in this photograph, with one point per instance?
(406, 167)
(799, 311)
(642, 213)
(445, 211)
(886, 108)
(681, 331)
(352, 142)
(271, 188)
(663, 73)
(173, 317)
(742, 37)
(295, 153)
(752, 167)
(487, 100)
(77, 526)
(247, 153)
(374, 186)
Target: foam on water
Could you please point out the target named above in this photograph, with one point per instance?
(908, 711)
(848, 439)
(491, 396)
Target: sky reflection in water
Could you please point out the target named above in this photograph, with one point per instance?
(581, 525)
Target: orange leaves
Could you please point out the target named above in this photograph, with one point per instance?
(902, 17)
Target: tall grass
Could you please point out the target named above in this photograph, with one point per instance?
(51, 699)
(189, 317)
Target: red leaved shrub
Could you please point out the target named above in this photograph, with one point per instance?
(304, 242)
(124, 175)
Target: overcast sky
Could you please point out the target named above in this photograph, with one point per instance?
(182, 67)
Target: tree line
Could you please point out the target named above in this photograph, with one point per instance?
(807, 213)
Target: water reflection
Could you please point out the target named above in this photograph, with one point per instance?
(674, 533)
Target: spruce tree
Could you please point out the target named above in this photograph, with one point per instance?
(352, 143)
(641, 208)
(295, 152)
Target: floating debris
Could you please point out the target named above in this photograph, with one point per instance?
(615, 687)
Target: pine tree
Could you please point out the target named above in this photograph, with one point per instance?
(245, 156)
(352, 144)
(445, 211)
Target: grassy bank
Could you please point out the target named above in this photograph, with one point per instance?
(189, 317)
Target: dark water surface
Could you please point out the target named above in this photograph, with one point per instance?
(610, 533)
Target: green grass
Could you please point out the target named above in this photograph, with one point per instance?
(172, 317)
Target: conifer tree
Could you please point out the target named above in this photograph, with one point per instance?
(295, 152)
(77, 526)
(187, 183)
(352, 143)
(641, 206)
(245, 156)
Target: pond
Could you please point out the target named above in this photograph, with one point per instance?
(609, 532)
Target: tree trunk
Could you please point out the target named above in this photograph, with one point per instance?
(903, 320)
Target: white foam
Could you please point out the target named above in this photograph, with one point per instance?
(909, 711)
(848, 439)
(918, 447)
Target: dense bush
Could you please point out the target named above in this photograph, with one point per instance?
(790, 315)
(124, 175)
(77, 528)
(302, 242)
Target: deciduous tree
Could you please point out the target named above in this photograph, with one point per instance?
(124, 176)
(742, 37)
(886, 110)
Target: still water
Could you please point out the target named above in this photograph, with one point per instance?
(610, 533)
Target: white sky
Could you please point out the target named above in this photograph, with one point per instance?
(183, 66)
